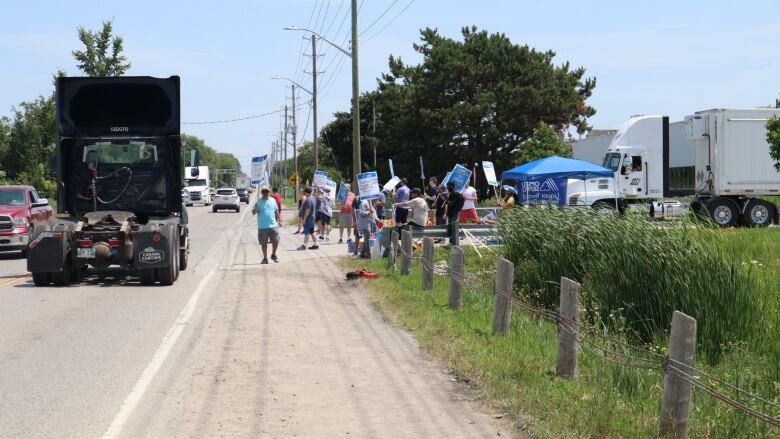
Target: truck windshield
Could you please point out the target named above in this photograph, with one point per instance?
(11, 197)
(612, 161)
(188, 183)
(124, 152)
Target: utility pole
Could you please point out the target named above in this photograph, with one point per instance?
(314, 99)
(284, 139)
(355, 96)
(294, 136)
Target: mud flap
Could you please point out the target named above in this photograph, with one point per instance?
(152, 249)
(47, 252)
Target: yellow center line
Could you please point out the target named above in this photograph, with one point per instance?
(13, 279)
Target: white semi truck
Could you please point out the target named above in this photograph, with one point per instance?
(197, 185)
(731, 170)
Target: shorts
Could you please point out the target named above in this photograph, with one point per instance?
(265, 235)
(401, 214)
(469, 214)
(324, 219)
(308, 228)
(346, 220)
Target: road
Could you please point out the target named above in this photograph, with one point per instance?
(233, 349)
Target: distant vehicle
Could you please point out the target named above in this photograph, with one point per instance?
(243, 182)
(243, 195)
(732, 168)
(197, 185)
(226, 198)
(22, 211)
(119, 182)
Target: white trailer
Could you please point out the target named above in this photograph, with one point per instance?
(732, 167)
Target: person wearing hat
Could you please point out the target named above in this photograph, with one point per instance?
(267, 223)
(346, 215)
(510, 197)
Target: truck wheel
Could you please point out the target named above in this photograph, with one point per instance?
(723, 211)
(758, 213)
(167, 275)
(41, 279)
(62, 278)
(184, 255)
(146, 276)
(214, 209)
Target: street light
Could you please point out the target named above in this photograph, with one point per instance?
(295, 127)
(353, 54)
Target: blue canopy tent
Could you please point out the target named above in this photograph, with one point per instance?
(557, 168)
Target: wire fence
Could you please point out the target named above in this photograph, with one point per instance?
(609, 348)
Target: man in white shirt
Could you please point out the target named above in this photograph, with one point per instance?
(469, 211)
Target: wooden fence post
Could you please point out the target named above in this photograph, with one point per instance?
(568, 330)
(502, 311)
(427, 264)
(456, 232)
(457, 264)
(393, 250)
(677, 391)
(406, 252)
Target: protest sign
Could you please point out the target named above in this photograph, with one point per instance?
(258, 169)
(543, 191)
(388, 187)
(343, 193)
(460, 177)
(490, 173)
(368, 185)
(331, 186)
(320, 177)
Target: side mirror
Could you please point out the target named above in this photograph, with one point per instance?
(41, 202)
(53, 165)
(194, 158)
(194, 172)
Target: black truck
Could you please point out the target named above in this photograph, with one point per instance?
(118, 169)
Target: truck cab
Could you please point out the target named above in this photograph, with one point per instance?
(117, 165)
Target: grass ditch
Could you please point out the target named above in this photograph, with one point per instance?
(516, 373)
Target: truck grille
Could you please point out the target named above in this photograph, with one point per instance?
(195, 196)
(6, 223)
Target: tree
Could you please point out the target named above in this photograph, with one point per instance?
(544, 142)
(95, 59)
(773, 137)
(468, 101)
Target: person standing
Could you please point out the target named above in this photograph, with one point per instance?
(469, 212)
(365, 216)
(453, 207)
(278, 198)
(346, 215)
(268, 218)
(308, 213)
(431, 192)
(439, 204)
(418, 208)
(400, 196)
(301, 199)
(326, 213)
(355, 211)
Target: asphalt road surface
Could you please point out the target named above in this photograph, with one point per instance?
(232, 349)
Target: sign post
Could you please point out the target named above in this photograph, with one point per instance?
(368, 186)
(490, 176)
(259, 168)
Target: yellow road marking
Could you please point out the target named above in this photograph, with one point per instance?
(13, 279)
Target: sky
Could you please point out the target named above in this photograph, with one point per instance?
(662, 57)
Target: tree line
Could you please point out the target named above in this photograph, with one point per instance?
(28, 135)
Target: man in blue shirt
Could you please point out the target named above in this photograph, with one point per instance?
(308, 214)
(401, 195)
(267, 223)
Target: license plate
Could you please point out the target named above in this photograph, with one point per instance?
(87, 253)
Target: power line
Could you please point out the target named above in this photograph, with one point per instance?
(392, 20)
(298, 65)
(378, 18)
(255, 116)
(325, 17)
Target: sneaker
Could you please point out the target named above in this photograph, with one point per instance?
(314, 247)
(327, 238)
(264, 261)
(322, 237)
(341, 241)
(274, 258)
(354, 253)
(303, 247)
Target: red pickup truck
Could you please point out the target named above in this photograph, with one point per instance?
(21, 211)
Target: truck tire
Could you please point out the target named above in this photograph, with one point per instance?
(167, 275)
(146, 276)
(214, 209)
(62, 277)
(723, 211)
(758, 213)
(184, 254)
(41, 279)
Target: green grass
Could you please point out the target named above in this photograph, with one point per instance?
(516, 373)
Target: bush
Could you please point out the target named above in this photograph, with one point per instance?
(634, 272)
